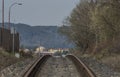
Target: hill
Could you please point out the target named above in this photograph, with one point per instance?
(47, 36)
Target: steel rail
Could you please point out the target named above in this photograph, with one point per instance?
(83, 69)
(32, 70)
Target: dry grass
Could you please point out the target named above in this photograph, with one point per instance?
(112, 61)
(6, 59)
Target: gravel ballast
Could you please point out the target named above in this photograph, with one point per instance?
(16, 70)
(100, 69)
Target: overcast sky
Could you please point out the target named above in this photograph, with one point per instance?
(39, 12)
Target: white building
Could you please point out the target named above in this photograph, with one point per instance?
(40, 49)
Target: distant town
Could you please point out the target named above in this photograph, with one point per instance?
(44, 51)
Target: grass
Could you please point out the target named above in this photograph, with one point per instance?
(6, 59)
(113, 61)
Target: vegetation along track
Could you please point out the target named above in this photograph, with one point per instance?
(69, 66)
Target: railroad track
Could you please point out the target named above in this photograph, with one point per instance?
(81, 68)
(34, 67)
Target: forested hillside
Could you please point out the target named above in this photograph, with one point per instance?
(47, 36)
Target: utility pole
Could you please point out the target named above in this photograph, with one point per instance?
(39, 49)
(2, 15)
(2, 30)
(13, 40)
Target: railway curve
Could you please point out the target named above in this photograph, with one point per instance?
(52, 66)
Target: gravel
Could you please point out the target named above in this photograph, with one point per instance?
(58, 67)
(100, 69)
(16, 70)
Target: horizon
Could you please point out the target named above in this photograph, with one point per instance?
(27, 24)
